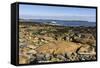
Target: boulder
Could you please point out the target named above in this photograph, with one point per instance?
(86, 50)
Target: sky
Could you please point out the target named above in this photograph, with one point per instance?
(56, 13)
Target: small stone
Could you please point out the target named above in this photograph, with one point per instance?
(40, 57)
(32, 58)
(47, 56)
(31, 46)
(61, 57)
(21, 40)
(22, 45)
(23, 60)
(32, 52)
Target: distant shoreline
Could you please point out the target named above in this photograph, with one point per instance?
(73, 23)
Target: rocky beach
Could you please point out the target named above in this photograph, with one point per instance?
(43, 43)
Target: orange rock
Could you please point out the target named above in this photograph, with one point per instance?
(59, 47)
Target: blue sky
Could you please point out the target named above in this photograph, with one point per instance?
(54, 12)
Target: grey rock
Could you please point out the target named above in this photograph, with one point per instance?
(48, 56)
(40, 57)
(22, 45)
(32, 58)
(61, 57)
